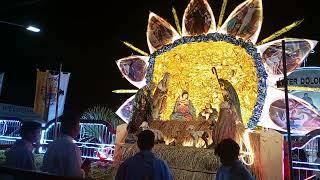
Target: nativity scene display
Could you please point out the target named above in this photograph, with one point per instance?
(207, 81)
(151, 100)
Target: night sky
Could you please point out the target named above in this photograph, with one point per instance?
(86, 37)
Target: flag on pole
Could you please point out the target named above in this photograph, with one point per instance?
(1, 81)
(45, 101)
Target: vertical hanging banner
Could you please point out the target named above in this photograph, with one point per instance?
(1, 81)
(45, 101)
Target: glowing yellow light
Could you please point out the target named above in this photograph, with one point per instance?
(190, 67)
(223, 8)
(300, 88)
(135, 48)
(189, 143)
(119, 91)
(281, 31)
(176, 20)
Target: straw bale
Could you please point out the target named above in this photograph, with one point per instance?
(189, 162)
(185, 162)
(187, 175)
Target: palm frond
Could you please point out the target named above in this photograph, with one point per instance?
(102, 113)
(95, 133)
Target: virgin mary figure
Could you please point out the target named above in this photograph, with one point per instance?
(183, 109)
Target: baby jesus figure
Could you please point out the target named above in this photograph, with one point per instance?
(208, 113)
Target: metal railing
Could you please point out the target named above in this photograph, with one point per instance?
(9, 131)
(90, 131)
(96, 139)
(304, 155)
(304, 170)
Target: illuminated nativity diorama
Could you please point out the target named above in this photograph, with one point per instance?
(205, 82)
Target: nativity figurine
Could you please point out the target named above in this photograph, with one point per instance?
(183, 109)
(160, 97)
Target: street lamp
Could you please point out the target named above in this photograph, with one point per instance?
(29, 28)
(33, 29)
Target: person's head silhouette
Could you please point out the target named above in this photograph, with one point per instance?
(70, 124)
(30, 131)
(228, 151)
(145, 140)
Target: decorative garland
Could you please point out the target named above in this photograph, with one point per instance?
(251, 50)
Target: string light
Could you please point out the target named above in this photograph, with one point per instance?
(249, 152)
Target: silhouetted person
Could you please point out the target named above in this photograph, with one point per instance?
(63, 157)
(144, 165)
(232, 168)
(21, 154)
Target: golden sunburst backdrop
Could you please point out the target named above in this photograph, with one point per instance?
(189, 66)
(189, 53)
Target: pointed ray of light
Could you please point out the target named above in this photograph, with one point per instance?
(191, 17)
(126, 109)
(125, 91)
(223, 8)
(134, 69)
(280, 32)
(273, 95)
(245, 21)
(135, 48)
(296, 51)
(159, 33)
(176, 20)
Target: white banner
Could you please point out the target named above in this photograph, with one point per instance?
(46, 94)
(1, 81)
(306, 77)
